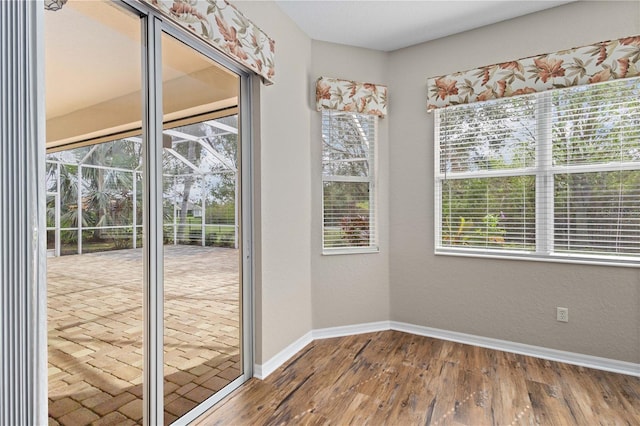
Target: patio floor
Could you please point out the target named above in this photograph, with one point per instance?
(95, 332)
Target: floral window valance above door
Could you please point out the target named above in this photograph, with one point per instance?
(351, 96)
(220, 24)
(598, 62)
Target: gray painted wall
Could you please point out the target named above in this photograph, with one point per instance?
(353, 288)
(298, 289)
(283, 283)
(503, 299)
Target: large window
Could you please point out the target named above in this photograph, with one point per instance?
(554, 175)
(348, 180)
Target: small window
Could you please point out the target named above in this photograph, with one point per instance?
(554, 175)
(348, 182)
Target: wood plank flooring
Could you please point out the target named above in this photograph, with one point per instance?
(394, 378)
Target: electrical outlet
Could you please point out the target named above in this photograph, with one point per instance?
(562, 314)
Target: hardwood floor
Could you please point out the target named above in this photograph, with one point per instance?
(394, 378)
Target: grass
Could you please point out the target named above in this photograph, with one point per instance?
(215, 236)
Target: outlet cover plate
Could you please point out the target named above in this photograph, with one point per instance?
(562, 314)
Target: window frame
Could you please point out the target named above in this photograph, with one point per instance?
(544, 172)
(370, 179)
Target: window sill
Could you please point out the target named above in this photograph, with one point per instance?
(350, 250)
(580, 259)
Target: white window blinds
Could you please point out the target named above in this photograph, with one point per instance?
(348, 178)
(555, 174)
(596, 168)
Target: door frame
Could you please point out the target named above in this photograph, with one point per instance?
(246, 196)
(153, 24)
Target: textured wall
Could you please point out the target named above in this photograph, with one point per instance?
(353, 288)
(283, 286)
(298, 289)
(503, 299)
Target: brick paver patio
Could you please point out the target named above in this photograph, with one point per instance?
(95, 332)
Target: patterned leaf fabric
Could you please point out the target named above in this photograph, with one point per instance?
(54, 5)
(220, 24)
(347, 95)
(598, 62)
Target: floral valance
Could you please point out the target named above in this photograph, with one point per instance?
(220, 24)
(598, 62)
(54, 5)
(347, 95)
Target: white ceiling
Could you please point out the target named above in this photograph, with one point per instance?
(390, 25)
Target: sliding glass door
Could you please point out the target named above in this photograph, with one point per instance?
(202, 244)
(95, 264)
(147, 201)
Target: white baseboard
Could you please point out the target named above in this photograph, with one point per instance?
(573, 358)
(350, 330)
(261, 371)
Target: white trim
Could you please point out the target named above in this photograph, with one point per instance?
(350, 250)
(437, 181)
(338, 178)
(522, 171)
(580, 258)
(613, 166)
(261, 371)
(371, 179)
(589, 361)
(350, 330)
(545, 171)
(606, 364)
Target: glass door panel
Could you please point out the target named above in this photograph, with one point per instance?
(93, 54)
(202, 262)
